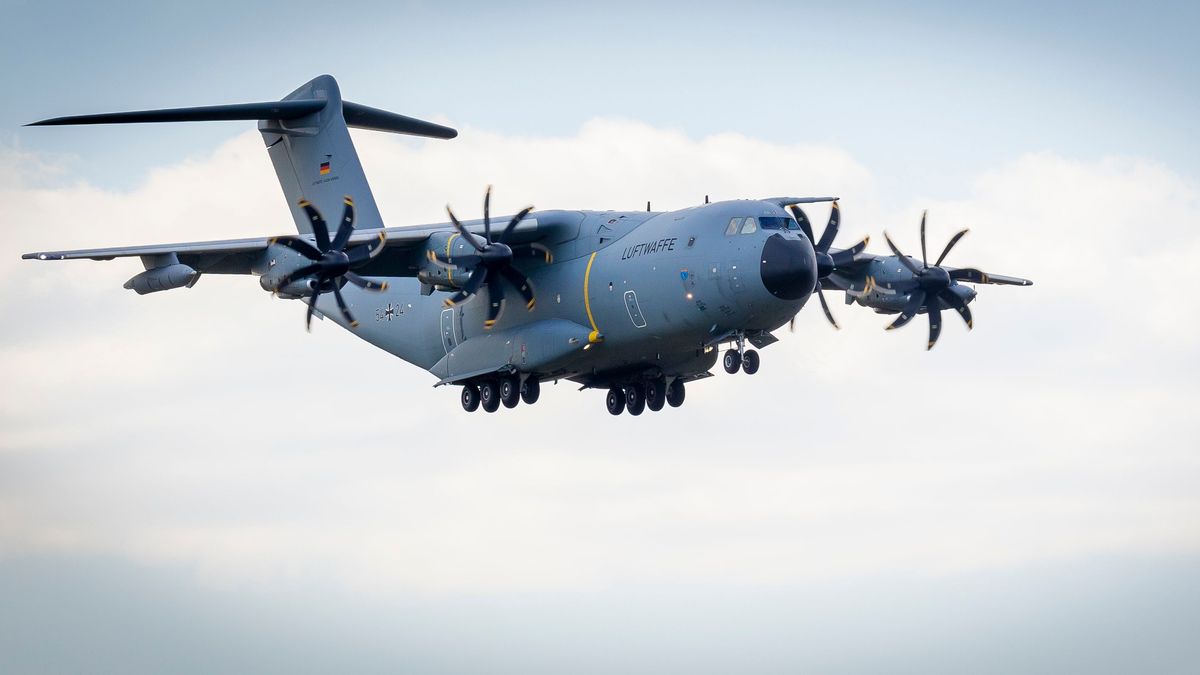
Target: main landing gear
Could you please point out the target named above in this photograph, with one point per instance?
(652, 394)
(491, 393)
(742, 359)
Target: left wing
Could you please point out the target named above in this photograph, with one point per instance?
(239, 256)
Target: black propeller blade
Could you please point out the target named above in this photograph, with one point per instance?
(490, 263)
(331, 263)
(826, 263)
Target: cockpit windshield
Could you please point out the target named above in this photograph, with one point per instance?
(777, 223)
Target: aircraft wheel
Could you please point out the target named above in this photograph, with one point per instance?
(615, 401)
(489, 395)
(510, 391)
(750, 362)
(470, 397)
(733, 361)
(530, 390)
(675, 394)
(656, 394)
(635, 399)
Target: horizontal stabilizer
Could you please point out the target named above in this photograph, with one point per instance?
(273, 110)
(357, 116)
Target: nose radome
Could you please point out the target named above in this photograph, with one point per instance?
(788, 268)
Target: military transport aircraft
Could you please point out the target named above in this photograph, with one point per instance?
(635, 303)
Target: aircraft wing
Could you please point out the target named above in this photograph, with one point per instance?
(238, 256)
(862, 261)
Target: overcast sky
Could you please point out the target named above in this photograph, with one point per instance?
(1024, 498)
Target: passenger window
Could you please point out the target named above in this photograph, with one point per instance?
(734, 223)
(750, 226)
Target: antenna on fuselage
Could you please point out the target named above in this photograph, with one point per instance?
(705, 199)
(647, 207)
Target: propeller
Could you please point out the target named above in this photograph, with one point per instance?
(489, 262)
(933, 284)
(827, 263)
(331, 263)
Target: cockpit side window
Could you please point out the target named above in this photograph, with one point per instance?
(750, 226)
(777, 223)
(734, 224)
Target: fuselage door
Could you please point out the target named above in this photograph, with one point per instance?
(448, 338)
(635, 312)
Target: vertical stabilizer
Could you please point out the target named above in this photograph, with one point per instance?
(315, 159)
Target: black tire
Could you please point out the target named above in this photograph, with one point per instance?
(635, 399)
(733, 361)
(510, 391)
(531, 389)
(615, 401)
(489, 395)
(470, 397)
(750, 362)
(676, 393)
(656, 394)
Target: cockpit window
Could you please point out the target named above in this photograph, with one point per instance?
(734, 224)
(751, 225)
(777, 223)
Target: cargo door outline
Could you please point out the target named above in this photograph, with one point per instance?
(635, 311)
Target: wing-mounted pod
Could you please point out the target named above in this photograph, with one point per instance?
(163, 272)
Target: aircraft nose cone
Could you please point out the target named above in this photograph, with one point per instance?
(788, 268)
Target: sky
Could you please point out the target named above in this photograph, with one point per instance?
(1022, 498)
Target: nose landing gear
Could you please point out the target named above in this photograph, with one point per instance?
(743, 359)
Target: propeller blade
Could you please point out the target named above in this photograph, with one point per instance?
(959, 306)
(299, 246)
(935, 322)
(950, 245)
(924, 256)
(471, 288)
(903, 258)
(318, 224)
(802, 219)
(298, 274)
(512, 224)
(843, 258)
(361, 254)
(518, 279)
(365, 283)
(495, 292)
(910, 310)
(462, 231)
(312, 307)
(346, 228)
(341, 303)
(487, 219)
(831, 229)
(825, 306)
(792, 324)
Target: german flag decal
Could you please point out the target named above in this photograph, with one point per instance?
(324, 168)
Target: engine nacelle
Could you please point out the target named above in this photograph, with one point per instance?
(175, 275)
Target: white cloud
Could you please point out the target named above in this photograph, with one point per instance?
(205, 426)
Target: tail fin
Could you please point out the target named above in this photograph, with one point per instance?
(308, 139)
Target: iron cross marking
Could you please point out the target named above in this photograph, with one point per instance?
(388, 313)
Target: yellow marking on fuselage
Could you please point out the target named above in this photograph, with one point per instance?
(587, 303)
